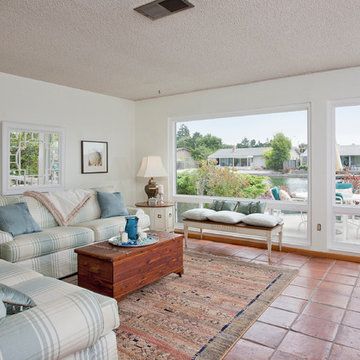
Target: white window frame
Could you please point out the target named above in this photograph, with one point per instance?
(272, 204)
(338, 209)
(8, 127)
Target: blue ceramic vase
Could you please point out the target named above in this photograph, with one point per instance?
(131, 227)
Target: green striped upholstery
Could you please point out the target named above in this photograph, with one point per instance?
(51, 240)
(106, 228)
(103, 349)
(8, 200)
(45, 290)
(90, 211)
(43, 332)
(40, 213)
(11, 274)
(58, 265)
(5, 237)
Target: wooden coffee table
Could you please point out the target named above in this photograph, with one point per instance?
(116, 271)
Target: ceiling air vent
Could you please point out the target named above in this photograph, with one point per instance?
(160, 8)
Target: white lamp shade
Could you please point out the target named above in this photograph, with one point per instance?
(151, 166)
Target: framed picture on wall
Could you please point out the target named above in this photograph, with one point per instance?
(94, 157)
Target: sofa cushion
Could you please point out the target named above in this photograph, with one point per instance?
(47, 290)
(45, 242)
(104, 229)
(199, 214)
(40, 213)
(264, 220)
(226, 217)
(90, 211)
(11, 274)
(9, 199)
(111, 204)
(16, 219)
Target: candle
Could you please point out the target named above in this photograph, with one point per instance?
(124, 238)
(161, 189)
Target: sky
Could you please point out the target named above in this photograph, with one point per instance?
(263, 126)
(259, 127)
(347, 125)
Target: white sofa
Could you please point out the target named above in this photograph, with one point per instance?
(51, 251)
(68, 322)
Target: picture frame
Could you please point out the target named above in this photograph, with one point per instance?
(94, 157)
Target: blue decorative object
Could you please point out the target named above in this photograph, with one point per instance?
(275, 193)
(131, 227)
(111, 204)
(16, 219)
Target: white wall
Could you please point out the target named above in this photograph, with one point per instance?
(84, 116)
(151, 133)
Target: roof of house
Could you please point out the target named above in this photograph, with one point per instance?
(344, 150)
(238, 152)
(349, 149)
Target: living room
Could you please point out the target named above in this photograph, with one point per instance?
(134, 152)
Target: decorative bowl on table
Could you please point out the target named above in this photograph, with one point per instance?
(149, 240)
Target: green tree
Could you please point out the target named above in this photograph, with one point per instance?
(200, 146)
(279, 152)
(183, 132)
(186, 182)
(212, 180)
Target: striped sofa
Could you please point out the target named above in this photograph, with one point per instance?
(51, 251)
(68, 322)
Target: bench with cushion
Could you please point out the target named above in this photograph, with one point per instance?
(250, 223)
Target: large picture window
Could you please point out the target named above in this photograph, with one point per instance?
(261, 156)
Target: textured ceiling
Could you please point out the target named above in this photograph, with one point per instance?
(106, 47)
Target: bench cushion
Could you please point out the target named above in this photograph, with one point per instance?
(263, 220)
(198, 214)
(227, 217)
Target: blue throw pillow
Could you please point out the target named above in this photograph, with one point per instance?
(13, 300)
(16, 219)
(111, 204)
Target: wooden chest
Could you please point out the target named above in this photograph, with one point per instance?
(116, 271)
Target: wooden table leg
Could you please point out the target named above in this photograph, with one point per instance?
(269, 247)
(280, 239)
(186, 234)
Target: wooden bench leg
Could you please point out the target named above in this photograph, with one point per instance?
(280, 239)
(201, 233)
(186, 234)
(269, 248)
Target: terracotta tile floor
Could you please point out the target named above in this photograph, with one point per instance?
(316, 317)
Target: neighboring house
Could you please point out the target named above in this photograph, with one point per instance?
(349, 156)
(252, 158)
(184, 159)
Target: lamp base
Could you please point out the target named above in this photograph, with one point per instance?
(151, 188)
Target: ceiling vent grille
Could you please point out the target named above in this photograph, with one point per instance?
(160, 8)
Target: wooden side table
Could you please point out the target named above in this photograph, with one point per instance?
(161, 216)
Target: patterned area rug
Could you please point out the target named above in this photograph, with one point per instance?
(202, 314)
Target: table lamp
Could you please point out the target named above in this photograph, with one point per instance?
(151, 166)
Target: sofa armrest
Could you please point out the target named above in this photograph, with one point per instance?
(5, 237)
(144, 219)
(135, 211)
(53, 330)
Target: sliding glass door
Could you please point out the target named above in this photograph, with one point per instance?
(346, 170)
